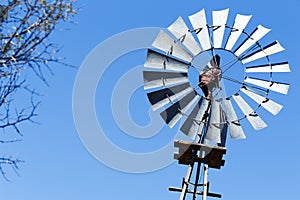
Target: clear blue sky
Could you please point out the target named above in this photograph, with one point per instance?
(265, 166)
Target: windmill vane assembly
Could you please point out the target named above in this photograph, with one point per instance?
(186, 74)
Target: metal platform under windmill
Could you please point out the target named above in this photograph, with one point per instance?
(202, 154)
(210, 155)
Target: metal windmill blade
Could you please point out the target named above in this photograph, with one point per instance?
(169, 87)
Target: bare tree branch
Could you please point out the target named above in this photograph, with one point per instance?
(9, 162)
(25, 28)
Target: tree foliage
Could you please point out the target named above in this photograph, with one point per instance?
(25, 27)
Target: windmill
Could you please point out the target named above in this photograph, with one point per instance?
(208, 111)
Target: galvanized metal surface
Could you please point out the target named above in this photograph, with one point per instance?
(268, 50)
(271, 85)
(268, 104)
(256, 122)
(205, 182)
(160, 79)
(240, 24)
(257, 34)
(278, 67)
(174, 113)
(215, 123)
(235, 128)
(180, 30)
(193, 121)
(190, 165)
(209, 194)
(160, 61)
(199, 23)
(162, 97)
(167, 44)
(219, 22)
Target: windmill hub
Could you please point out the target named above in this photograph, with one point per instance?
(211, 73)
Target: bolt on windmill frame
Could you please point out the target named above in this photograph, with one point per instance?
(208, 113)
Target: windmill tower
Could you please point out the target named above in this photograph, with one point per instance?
(234, 59)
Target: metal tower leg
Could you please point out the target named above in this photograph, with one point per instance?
(191, 153)
(191, 167)
(194, 154)
(197, 181)
(186, 181)
(205, 183)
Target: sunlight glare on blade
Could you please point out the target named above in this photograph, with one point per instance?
(215, 124)
(240, 24)
(256, 122)
(159, 79)
(180, 30)
(278, 67)
(167, 44)
(157, 60)
(282, 88)
(268, 104)
(270, 49)
(219, 23)
(199, 23)
(259, 33)
(235, 129)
